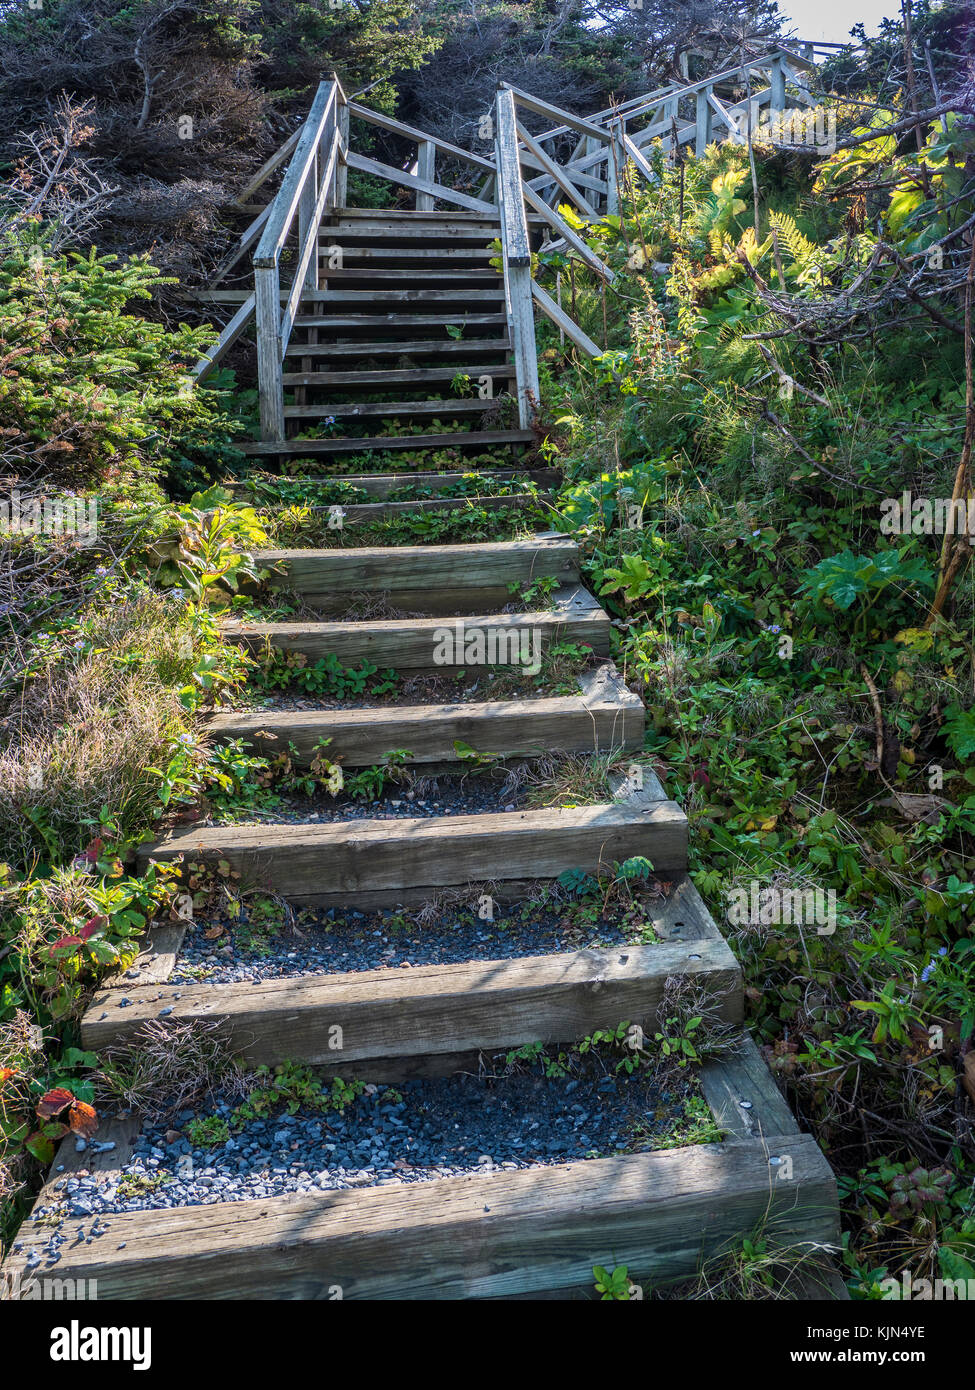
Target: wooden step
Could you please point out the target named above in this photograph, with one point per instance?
(392, 278)
(371, 513)
(421, 347)
(396, 217)
(442, 407)
(400, 1023)
(450, 254)
(422, 297)
(437, 571)
(370, 323)
(437, 644)
(459, 440)
(454, 232)
(503, 1234)
(380, 485)
(605, 716)
(416, 376)
(381, 863)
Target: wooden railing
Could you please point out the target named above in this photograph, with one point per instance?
(596, 165)
(309, 187)
(319, 156)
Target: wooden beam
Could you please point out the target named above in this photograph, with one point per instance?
(306, 271)
(560, 225)
(420, 136)
(556, 174)
(269, 166)
(368, 861)
(516, 258)
(543, 108)
(521, 728)
(394, 1017)
(286, 203)
(471, 1237)
(489, 564)
(227, 339)
(427, 170)
(400, 176)
(434, 644)
(568, 326)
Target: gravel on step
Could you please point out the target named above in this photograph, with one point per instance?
(490, 686)
(343, 941)
(449, 796)
(417, 1132)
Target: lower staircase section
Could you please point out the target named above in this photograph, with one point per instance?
(533, 1229)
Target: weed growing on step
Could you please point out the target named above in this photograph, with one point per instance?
(207, 1133)
(169, 1065)
(326, 677)
(293, 1087)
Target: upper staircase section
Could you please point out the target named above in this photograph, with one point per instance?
(347, 299)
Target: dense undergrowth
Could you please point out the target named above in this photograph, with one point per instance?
(810, 702)
(808, 677)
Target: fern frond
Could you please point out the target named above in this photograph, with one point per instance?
(800, 248)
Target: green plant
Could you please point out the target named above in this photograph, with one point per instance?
(612, 1286)
(294, 1087)
(369, 783)
(206, 1134)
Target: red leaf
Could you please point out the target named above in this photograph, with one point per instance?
(53, 1102)
(91, 926)
(64, 942)
(83, 1119)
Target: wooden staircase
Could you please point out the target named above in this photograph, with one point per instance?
(355, 359)
(534, 1232)
(371, 349)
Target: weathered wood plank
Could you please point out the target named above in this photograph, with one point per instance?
(421, 136)
(561, 319)
(742, 1093)
(584, 252)
(493, 563)
(156, 959)
(442, 407)
(420, 347)
(524, 728)
(557, 174)
(456, 1238)
(416, 376)
(440, 642)
(400, 176)
(380, 485)
(322, 863)
(459, 439)
(429, 1011)
(269, 166)
(227, 338)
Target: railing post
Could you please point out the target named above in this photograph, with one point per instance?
(516, 257)
(341, 169)
(267, 288)
(615, 159)
(777, 84)
(426, 167)
(306, 212)
(702, 137)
